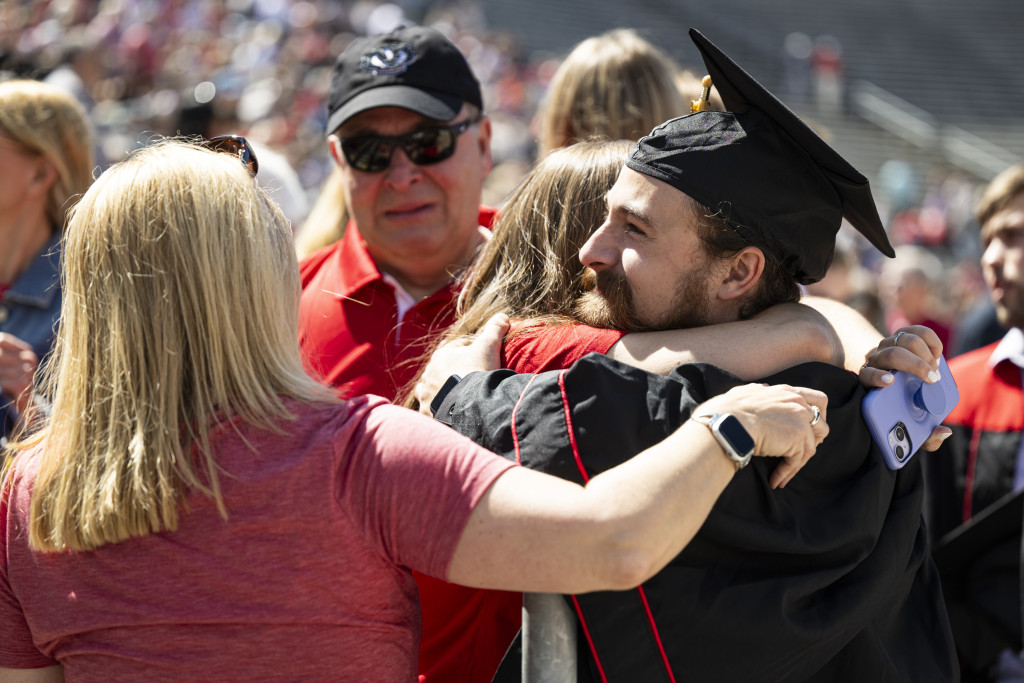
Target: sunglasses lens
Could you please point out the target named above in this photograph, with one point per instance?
(369, 154)
(372, 153)
(430, 146)
(236, 146)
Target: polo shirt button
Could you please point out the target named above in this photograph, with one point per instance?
(4, 314)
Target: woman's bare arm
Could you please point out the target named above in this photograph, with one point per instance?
(628, 522)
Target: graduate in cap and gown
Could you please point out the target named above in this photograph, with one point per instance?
(826, 579)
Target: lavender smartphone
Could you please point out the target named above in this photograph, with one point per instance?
(902, 415)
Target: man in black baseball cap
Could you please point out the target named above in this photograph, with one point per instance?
(412, 147)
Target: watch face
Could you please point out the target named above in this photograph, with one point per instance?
(730, 428)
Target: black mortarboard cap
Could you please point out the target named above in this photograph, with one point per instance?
(771, 177)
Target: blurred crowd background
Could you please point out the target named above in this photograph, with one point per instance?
(920, 96)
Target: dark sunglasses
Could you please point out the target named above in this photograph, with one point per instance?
(236, 146)
(372, 153)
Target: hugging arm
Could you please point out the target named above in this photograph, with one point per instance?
(777, 338)
(536, 532)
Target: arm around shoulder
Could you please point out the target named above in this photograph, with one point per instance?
(773, 340)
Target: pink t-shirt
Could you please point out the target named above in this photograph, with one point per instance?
(307, 579)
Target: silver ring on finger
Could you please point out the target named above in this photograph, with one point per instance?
(817, 415)
(896, 339)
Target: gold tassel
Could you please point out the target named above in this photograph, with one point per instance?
(702, 104)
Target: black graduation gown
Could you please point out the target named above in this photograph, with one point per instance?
(829, 579)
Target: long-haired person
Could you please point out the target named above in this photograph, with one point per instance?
(194, 506)
(615, 86)
(45, 165)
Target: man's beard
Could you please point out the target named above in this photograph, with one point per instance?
(614, 308)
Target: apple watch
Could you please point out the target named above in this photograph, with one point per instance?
(731, 436)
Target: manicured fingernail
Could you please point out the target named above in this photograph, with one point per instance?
(943, 437)
(888, 378)
(934, 376)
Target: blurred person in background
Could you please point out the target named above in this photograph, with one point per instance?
(983, 460)
(912, 289)
(46, 164)
(615, 86)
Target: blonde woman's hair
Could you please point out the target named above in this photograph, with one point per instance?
(530, 267)
(51, 123)
(180, 314)
(326, 221)
(617, 86)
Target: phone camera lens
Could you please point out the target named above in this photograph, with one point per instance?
(899, 452)
(900, 435)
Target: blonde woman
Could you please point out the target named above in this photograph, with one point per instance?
(616, 86)
(196, 507)
(45, 165)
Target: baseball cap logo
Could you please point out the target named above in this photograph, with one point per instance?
(391, 57)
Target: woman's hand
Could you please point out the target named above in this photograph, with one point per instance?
(784, 421)
(461, 357)
(17, 370)
(914, 349)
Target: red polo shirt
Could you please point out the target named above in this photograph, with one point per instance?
(348, 320)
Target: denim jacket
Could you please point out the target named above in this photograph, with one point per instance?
(29, 311)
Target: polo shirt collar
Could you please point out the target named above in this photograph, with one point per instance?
(356, 268)
(1011, 349)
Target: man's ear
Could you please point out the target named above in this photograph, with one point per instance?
(334, 145)
(745, 269)
(484, 140)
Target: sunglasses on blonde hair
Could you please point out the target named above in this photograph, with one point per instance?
(237, 146)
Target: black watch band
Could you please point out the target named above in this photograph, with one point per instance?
(443, 392)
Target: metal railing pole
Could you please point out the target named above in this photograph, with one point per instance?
(549, 639)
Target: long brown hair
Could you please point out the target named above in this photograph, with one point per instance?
(530, 267)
